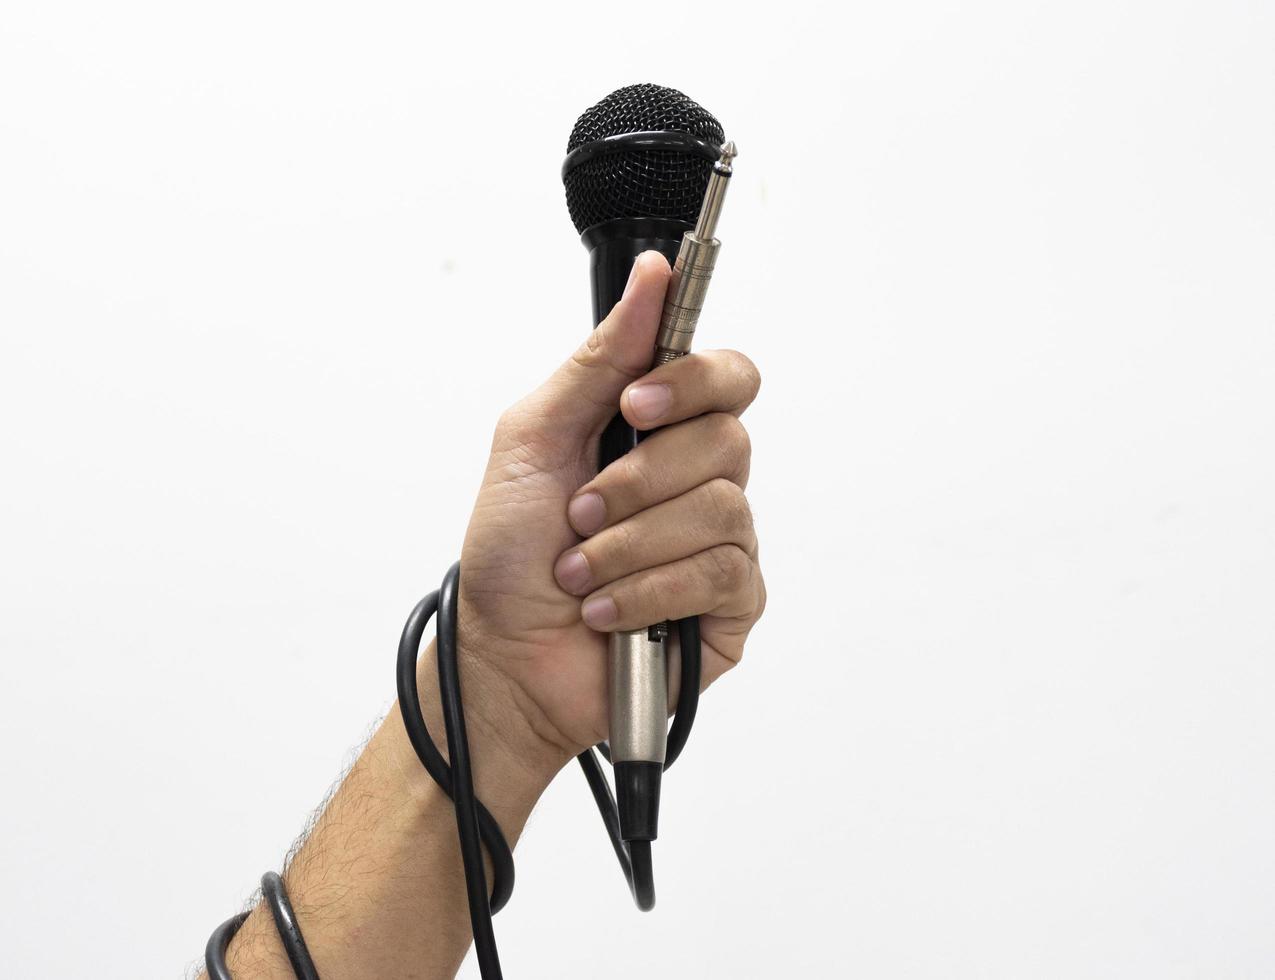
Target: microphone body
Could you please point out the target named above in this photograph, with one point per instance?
(646, 169)
(637, 660)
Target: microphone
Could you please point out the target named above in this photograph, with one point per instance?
(646, 168)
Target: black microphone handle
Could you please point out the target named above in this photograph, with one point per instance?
(613, 245)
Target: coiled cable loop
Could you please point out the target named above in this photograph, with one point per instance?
(475, 825)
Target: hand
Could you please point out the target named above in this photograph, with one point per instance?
(556, 552)
(661, 534)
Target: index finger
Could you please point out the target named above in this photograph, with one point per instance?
(709, 381)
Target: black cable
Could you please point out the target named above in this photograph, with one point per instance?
(463, 779)
(275, 895)
(215, 951)
(475, 825)
(688, 691)
(409, 702)
(636, 868)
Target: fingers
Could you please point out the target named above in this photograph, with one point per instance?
(713, 514)
(666, 465)
(722, 581)
(688, 556)
(668, 532)
(672, 535)
(710, 390)
(712, 381)
(582, 395)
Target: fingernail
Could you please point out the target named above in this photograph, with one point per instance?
(632, 275)
(587, 513)
(649, 402)
(599, 612)
(572, 572)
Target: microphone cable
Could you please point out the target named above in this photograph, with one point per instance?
(475, 826)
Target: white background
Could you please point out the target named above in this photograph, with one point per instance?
(268, 274)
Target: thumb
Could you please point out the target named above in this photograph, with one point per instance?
(584, 393)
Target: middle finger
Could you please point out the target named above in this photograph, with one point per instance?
(663, 466)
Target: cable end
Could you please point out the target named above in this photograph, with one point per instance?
(637, 798)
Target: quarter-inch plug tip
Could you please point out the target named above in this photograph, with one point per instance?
(723, 165)
(706, 225)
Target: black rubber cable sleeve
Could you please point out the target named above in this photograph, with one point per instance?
(215, 951)
(409, 700)
(463, 779)
(275, 895)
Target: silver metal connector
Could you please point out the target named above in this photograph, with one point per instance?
(693, 269)
(639, 697)
(711, 209)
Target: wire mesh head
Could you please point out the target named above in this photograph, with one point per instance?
(640, 183)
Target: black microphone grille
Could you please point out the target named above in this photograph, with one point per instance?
(636, 182)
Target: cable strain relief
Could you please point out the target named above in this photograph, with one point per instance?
(637, 797)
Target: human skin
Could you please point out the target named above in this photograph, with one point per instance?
(555, 555)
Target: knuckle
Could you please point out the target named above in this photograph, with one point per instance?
(619, 544)
(731, 438)
(520, 437)
(729, 505)
(651, 594)
(747, 374)
(729, 567)
(592, 352)
(511, 426)
(588, 353)
(634, 477)
(508, 418)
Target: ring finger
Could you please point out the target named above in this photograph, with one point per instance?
(712, 514)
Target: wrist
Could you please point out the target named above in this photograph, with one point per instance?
(394, 829)
(512, 762)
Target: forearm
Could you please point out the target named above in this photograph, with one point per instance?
(378, 887)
